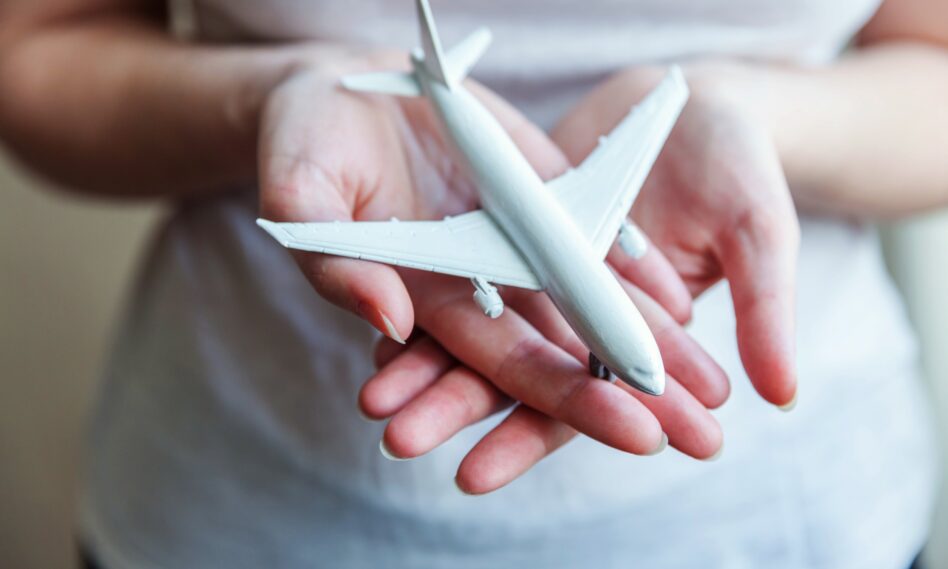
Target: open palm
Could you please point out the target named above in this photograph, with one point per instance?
(717, 205)
(327, 154)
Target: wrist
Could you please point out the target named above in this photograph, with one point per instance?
(770, 96)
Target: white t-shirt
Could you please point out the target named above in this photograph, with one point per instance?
(227, 432)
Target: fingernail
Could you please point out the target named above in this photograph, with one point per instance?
(383, 448)
(461, 490)
(787, 407)
(716, 455)
(662, 445)
(390, 330)
(381, 322)
(363, 415)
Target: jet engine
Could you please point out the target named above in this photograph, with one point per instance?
(487, 298)
(632, 240)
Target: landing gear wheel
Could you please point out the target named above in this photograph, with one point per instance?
(598, 369)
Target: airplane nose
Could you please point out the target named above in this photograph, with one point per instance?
(651, 381)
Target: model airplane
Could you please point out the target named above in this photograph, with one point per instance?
(550, 237)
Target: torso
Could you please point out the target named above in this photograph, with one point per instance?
(227, 435)
(547, 52)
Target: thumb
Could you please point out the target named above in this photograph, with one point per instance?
(758, 257)
(296, 190)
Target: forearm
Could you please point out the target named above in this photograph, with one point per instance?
(116, 106)
(866, 136)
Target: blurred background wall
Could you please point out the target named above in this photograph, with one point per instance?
(65, 265)
(917, 253)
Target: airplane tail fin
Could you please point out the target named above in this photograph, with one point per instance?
(431, 44)
(449, 68)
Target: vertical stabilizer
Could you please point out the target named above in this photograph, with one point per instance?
(434, 58)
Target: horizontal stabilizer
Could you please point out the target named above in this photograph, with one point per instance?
(385, 82)
(449, 68)
(463, 56)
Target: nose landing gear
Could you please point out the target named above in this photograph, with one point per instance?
(598, 369)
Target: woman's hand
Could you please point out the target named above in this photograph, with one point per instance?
(471, 367)
(717, 205)
(328, 154)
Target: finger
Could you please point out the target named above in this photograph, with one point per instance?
(758, 258)
(387, 350)
(655, 275)
(336, 166)
(524, 438)
(684, 358)
(386, 392)
(516, 358)
(296, 190)
(689, 426)
(459, 398)
(684, 418)
(540, 311)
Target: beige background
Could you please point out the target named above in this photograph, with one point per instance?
(65, 265)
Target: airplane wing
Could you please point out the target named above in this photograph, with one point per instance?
(599, 193)
(469, 245)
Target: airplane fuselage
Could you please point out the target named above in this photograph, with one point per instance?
(578, 281)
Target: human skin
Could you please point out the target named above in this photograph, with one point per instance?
(149, 116)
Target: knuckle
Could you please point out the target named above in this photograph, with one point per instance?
(462, 395)
(316, 268)
(755, 221)
(762, 228)
(575, 393)
(527, 349)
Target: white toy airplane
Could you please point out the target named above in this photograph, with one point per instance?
(550, 237)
